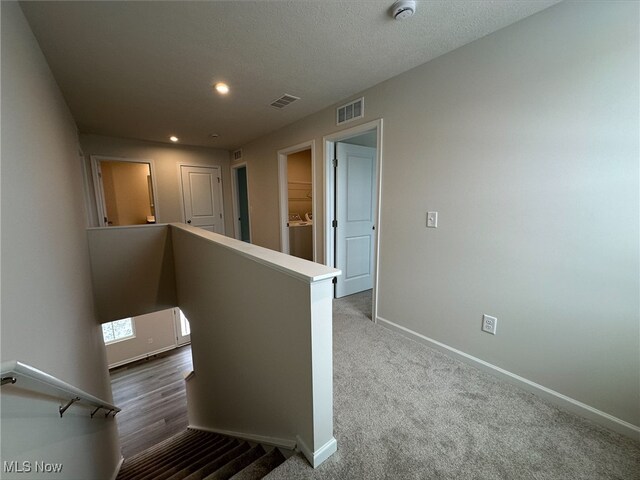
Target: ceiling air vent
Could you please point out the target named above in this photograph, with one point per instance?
(284, 100)
(350, 111)
(237, 154)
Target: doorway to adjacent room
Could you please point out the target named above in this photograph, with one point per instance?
(352, 207)
(297, 203)
(125, 191)
(241, 209)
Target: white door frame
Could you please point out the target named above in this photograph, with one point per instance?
(329, 142)
(236, 200)
(221, 192)
(283, 189)
(98, 187)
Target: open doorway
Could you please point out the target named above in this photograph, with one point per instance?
(352, 208)
(297, 231)
(241, 209)
(125, 191)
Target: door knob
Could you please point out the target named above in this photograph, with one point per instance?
(188, 221)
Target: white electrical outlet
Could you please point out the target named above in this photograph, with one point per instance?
(489, 324)
(432, 219)
(149, 341)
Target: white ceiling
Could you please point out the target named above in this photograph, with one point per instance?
(145, 69)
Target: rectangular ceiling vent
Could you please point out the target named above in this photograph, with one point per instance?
(350, 111)
(237, 154)
(284, 100)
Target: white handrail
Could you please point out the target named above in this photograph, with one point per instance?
(15, 372)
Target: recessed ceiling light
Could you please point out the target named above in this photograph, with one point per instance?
(214, 135)
(173, 138)
(222, 88)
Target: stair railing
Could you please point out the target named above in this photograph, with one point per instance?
(28, 377)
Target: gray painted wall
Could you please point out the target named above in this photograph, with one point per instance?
(132, 270)
(47, 305)
(526, 143)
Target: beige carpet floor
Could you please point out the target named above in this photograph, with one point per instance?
(405, 411)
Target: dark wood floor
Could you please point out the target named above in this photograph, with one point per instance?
(152, 396)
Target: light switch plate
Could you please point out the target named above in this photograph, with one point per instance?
(432, 219)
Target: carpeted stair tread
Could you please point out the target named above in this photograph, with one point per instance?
(165, 450)
(183, 461)
(199, 455)
(229, 445)
(211, 467)
(237, 464)
(261, 467)
(165, 457)
(174, 441)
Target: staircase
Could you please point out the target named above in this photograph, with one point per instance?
(198, 455)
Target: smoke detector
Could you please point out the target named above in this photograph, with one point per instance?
(403, 9)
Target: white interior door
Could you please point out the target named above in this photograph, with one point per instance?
(202, 197)
(355, 215)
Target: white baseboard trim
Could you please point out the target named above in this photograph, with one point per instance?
(568, 403)
(143, 356)
(250, 437)
(320, 455)
(117, 470)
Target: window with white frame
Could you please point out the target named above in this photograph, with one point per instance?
(118, 330)
(185, 328)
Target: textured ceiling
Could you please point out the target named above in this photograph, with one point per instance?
(145, 69)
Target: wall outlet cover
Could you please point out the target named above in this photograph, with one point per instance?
(489, 324)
